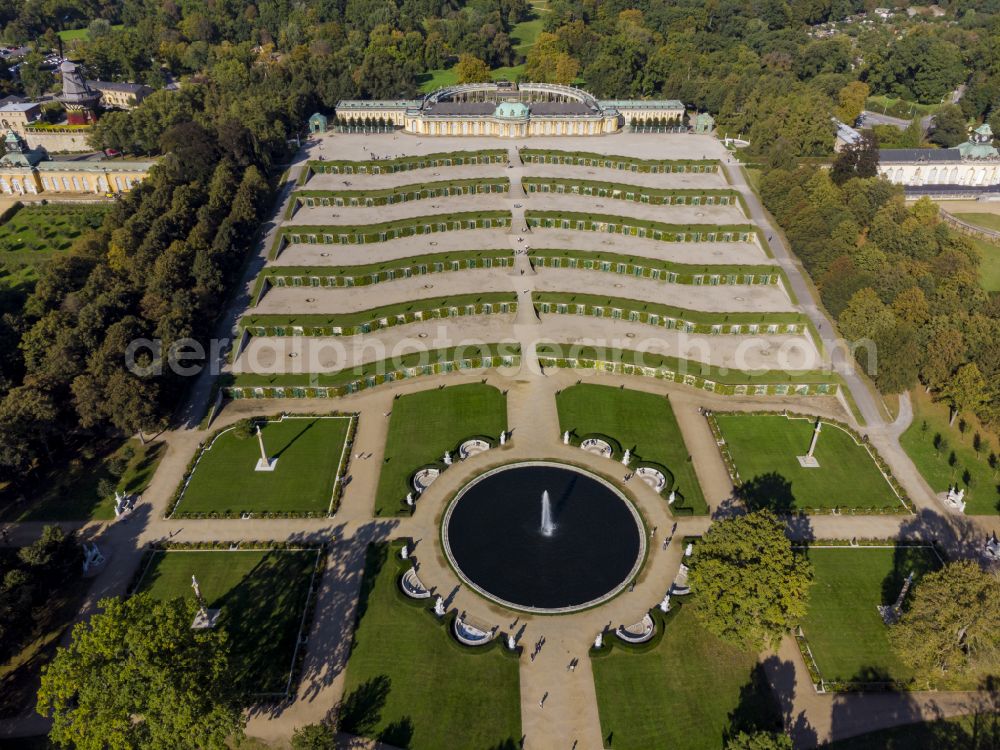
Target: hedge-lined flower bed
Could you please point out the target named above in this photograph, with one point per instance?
(337, 490)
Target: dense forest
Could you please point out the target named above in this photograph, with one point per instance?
(897, 277)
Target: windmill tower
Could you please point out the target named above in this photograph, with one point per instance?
(77, 97)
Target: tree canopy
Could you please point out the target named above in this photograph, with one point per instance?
(137, 675)
(751, 587)
(760, 741)
(948, 632)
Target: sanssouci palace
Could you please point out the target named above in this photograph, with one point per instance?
(510, 110)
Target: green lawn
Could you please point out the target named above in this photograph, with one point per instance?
(954, 461)
(686, 693)
(424, 425)
(899, 107)
(843, 627)
(987, 221)
(72, 35)
(989, 267)
(410, 684)
(310, 452)
(765, 449)
(643, 423)
(35, 233)
(70, 493)
(436, 79)
(261, 595)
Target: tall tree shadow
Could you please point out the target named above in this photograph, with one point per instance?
(361, 710)
(758, 709)
(769, 491)
(398, 734)
(782, 679)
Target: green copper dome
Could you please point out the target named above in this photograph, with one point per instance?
(512, 111)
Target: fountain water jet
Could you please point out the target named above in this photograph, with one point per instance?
(548, 527)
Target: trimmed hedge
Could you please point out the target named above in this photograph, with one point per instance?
(635, 193)
(376, 273)
(404, 163)
(365, 321)
(656, 230)
(400, 194)
(667, 316)
(657, 270)
(612, 161)
(388, 230)
(705, 377)
(353, 380)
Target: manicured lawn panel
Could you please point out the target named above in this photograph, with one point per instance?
(424, 425)
(261, 595)
(765, 449)
(684, 694)
(642, 422)
(930, 420)
(309, 452)
(843, 627)
(412, 685)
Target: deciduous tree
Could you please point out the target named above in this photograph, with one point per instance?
(470, 69)
(949, 630)
(138, 676)
(750, 585)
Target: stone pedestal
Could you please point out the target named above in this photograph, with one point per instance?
(808, 462)
(269, 466)
(205, 619)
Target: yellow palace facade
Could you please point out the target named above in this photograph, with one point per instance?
(510, 110)
(25, 171)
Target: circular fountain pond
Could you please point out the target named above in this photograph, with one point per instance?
(543, 537)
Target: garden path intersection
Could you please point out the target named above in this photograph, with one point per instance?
(569, 713)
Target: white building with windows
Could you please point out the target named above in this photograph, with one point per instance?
(975, 163)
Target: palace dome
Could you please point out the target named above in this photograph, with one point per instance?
(512, 111)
